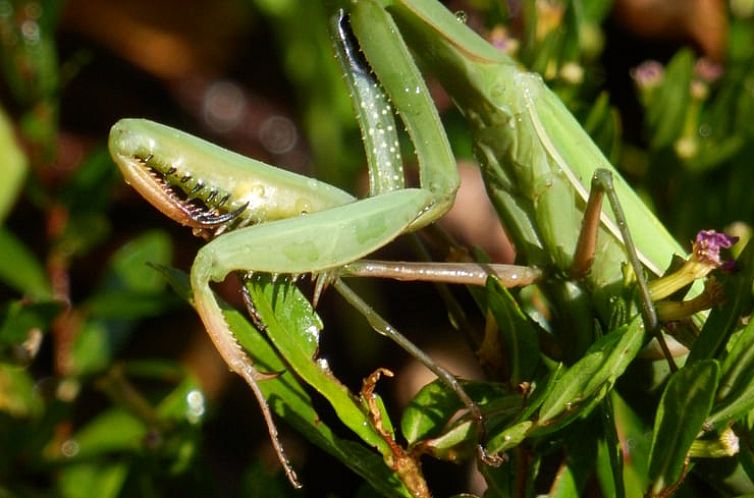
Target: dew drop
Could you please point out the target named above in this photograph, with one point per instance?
(223, 105)
(461, 16)
(278, 134)
(69, 448)
(195, 406)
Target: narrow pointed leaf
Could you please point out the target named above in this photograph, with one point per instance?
(683, 408)
(590, 378)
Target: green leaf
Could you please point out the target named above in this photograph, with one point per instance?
(128, 268)
(20, 269)
(684, 405)
(19, 318)
(128, 304)
(666, 115)
(512, 433)
(129, 290)
(114, 430)
(516, 337)
(102, 479)
(430, 418)
(13, 166)
(590, 378)
(428, 412)
(287, 397)
(735, 396)
(294, 328)
(19, 397)
(511, 437)
(435, 404)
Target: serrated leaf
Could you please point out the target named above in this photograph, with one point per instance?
(294, 328)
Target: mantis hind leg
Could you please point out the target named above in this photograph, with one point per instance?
(381, 326)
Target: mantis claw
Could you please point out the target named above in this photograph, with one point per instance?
(322, 282)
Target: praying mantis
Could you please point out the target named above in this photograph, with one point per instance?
(536, 159)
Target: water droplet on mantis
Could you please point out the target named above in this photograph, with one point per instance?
(303, 206)
(461, 16)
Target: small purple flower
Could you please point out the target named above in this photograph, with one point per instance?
(648, 74)
(501, 40)
(708, 244)
(705, 257)
(708, 70)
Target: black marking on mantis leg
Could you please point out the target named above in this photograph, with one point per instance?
(202, 211)
(357, 65)
(197, 188)
(251, 308)
(373, 111)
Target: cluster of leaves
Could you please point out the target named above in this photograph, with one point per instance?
(79, 419)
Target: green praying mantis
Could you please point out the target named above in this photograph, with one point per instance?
(536, 160)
